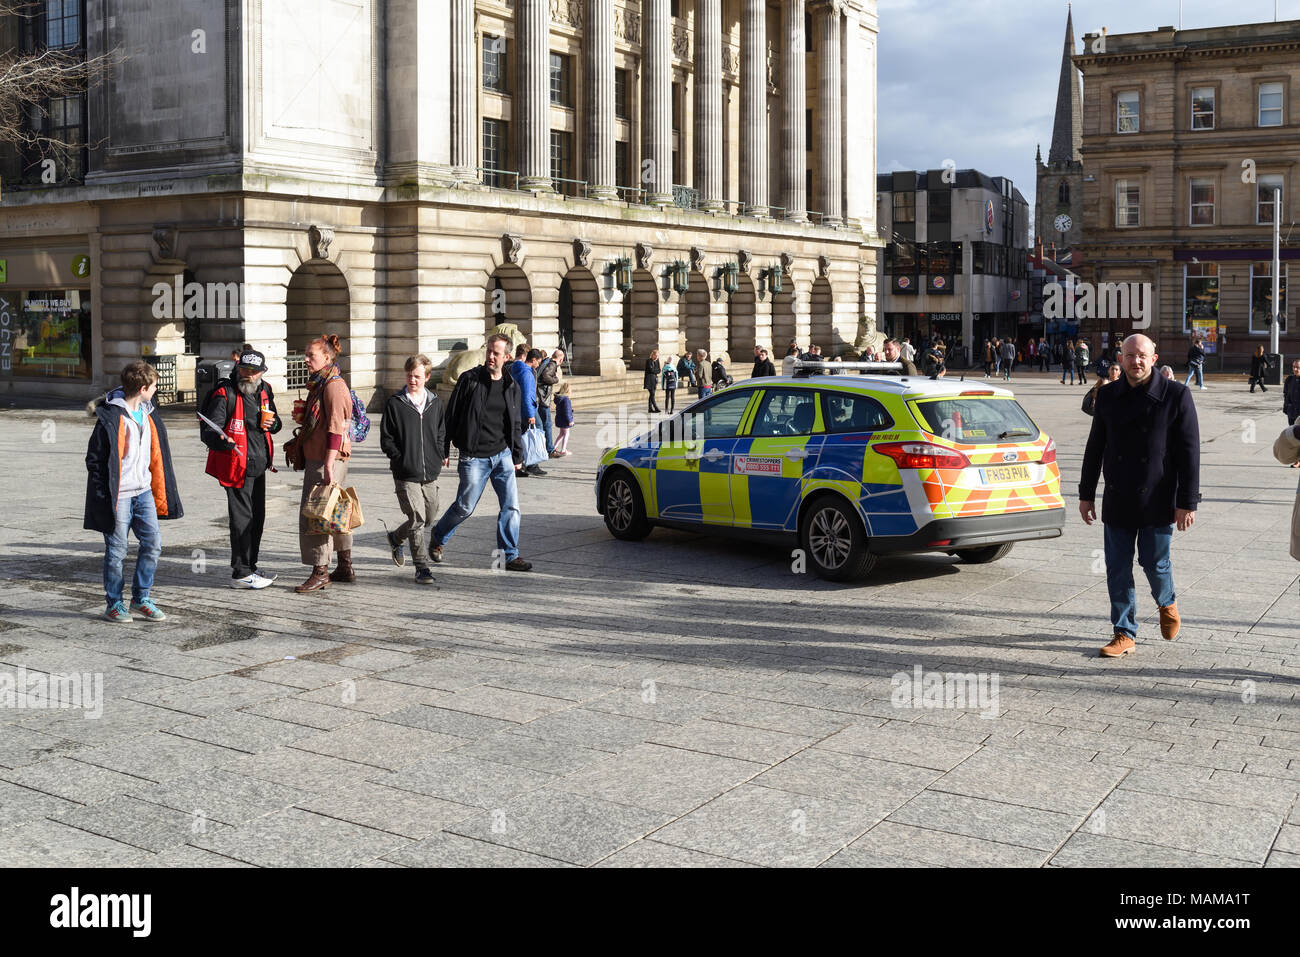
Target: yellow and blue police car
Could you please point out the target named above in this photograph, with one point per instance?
(849, 467)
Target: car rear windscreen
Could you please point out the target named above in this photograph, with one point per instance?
(977, 420)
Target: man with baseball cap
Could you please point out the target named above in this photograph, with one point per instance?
(242, 409)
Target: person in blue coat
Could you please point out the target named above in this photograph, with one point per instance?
(523, 371)
(1146, 441)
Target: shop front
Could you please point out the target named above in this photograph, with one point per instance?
(45, 318)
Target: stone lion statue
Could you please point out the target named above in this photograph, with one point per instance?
(868, 339)
(462, 360)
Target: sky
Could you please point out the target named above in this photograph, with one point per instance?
(975, 81)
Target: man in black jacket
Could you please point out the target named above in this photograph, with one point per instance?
(1146, 439)
(483, 422)
(413, 437)
(762, 364)
(239, 456)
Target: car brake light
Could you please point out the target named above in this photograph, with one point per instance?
(986, 392)
(1049, 453)
(942, 541)
(922, 455)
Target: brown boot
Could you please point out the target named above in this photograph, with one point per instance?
(343, 570)
(1169, 622)
(1119, 646)
(319, 579)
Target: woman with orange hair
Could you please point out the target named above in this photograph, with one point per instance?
(326, 420)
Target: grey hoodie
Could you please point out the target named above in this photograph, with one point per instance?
(135, 459)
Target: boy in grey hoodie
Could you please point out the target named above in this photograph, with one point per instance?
(130, 487)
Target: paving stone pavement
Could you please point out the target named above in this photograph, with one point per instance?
(686, 701)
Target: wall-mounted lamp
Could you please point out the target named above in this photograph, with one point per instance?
(623, 275)
(730, 273)
(774, 275)
(681, 276)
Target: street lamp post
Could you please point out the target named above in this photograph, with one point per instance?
(1277, 271)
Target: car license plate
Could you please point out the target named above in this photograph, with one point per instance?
(1003, 474)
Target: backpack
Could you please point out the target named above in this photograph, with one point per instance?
(670, 377)
(360, 421)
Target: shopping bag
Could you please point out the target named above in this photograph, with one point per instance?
(356, 519)
(534, 447)
(327, 510)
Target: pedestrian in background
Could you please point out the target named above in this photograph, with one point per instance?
(670, 385)
(1196, 363)
(1291, 393)
(413, 437)
(130, 486)
(1145, 438)
(564, 416)
(326, 420)
(790, 358)
(1067, 361)
(523, 371)
(686, 371)
(1258, 367)
(651, 380)
(1081, 360)
(702, 388)
(548, 374)
(240, 451)
(763, 365)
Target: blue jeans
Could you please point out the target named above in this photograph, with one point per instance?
(1153, 555)
(1068, 369)
(544, 419)
(139, 515)
(1195, 369)
(474, 475)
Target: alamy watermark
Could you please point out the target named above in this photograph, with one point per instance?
(198, 300)
(40, 691)
(1127, 301)
(938, 689)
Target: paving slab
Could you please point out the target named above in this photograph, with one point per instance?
(298, 838)
(891, 841)
(660, 778)
(1239, 833)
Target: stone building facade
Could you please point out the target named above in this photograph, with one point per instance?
(619, 176)
(1185, 135)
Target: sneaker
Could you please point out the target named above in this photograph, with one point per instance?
(248, 581)
(1121, 644)
(117, 612)
(518, 565)
(148, 610)
(435, 552)
(535, 470)
(423, 576)
(1204, 387)
(395, 546)
(267, 577)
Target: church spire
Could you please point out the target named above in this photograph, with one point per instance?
(1067, 129)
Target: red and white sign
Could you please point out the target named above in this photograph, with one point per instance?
(751, 465)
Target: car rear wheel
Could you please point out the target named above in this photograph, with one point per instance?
(982, 556)
(835, 542)
(624, 508)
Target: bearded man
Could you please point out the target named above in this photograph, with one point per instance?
(241, 420)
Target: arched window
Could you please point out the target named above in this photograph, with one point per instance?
(1063, 193)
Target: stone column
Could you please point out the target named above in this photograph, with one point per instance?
(464, 82)
(708, 103)
(753, 107)
(830, 138)
(657, 101)
(794, 147)
(598, 36)
(533, 93)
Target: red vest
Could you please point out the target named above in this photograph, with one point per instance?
(229, 466)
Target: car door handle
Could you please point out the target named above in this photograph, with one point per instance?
(713, 455)
(797, 453)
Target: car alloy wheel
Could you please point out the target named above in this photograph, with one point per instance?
(619, 505)
(830, 538)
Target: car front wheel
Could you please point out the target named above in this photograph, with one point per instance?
(835, 542)
(624, 508)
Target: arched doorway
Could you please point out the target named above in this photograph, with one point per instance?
(317, 304)
(579, 311)
(783, 326)
(742, 321)
(641, 317)
(695, 320)
(822, 331)
(509, 299)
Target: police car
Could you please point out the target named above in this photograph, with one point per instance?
(851, 468)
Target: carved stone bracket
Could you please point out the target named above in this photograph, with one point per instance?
(320, 238)
(787, 263)
(581, 252)
(512, 248)
(645, 254)
(823, 266)
(681, 42)
(730, 59)
(743, 259)
(697, 259)
(166, 237)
